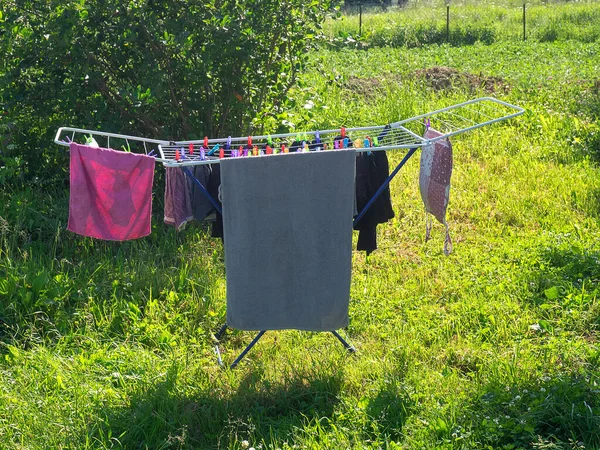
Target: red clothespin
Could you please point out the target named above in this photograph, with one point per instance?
(343, 132)
(177, 155)
(241, 151)
(222, 153)
(269, 150)
(249, 141)
(191, 148)
(205, 141)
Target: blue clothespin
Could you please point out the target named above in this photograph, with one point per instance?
(317, 138)
(214, 149)
(228, 144)
(367, 144)
(346, 142)
(182, 153)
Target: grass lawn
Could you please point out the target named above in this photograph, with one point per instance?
(107, 345)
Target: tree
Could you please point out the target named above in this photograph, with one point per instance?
(178, 69)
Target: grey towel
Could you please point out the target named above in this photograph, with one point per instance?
(288, 240)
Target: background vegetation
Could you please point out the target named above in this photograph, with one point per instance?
(107, 345)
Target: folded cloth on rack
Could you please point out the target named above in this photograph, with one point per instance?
(371, 172)
(178, 201)
(288, 240)
(110, 193)
(434, 182)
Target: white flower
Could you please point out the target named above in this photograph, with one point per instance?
(245, 444)
(535, 327)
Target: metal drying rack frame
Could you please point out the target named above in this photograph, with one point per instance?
(405, 134)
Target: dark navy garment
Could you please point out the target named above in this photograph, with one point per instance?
(371, 172)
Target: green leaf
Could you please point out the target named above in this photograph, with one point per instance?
(552, 293)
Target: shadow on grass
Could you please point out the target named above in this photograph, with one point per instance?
(558, 412)
(258, 411)
(564, 282)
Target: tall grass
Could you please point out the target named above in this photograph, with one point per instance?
(470, 22)
(108, 345)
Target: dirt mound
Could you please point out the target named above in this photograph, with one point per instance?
(444, 78)
(369, 87)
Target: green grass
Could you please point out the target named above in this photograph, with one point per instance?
(108, 345)
(421, 24)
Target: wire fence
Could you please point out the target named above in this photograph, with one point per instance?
(419, 22)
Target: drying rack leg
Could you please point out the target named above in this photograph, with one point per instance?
(247, 349)
(222, 330)
(347, 346)
(217, 338)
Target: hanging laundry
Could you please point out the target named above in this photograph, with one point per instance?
(434, 182)
(288, 240)
(201, 205)
(110, 193)
(178, 202)
(372, 169)
(214, 187)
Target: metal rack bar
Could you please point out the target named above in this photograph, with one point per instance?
(108, 136)
(450, 121)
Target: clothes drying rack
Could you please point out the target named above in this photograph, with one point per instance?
(406, 134)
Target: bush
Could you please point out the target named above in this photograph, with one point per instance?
(170, 70)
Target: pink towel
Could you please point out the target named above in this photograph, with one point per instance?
(178, 200)
(434, 181)
(111, 193)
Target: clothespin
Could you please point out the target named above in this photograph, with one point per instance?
(305, 147)
(284, 148)
(151, 153)
(325, 147)
(346, 142)
(427, 123)
(241, 151)
(183, 156)
(214, 150)
(335, 144)
(269, 140)
(222, 153)
(367, 144)
(375, 142)
(343, 132)
(191, 148)
(249, 141)
(228, 143)
(244, 151)
(317, 137)
(269, 149)
(177, 156)
(205, 142)
(255, 151)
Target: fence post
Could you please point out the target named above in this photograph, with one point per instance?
(524, 35)
(448, 21)
(360, 19)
